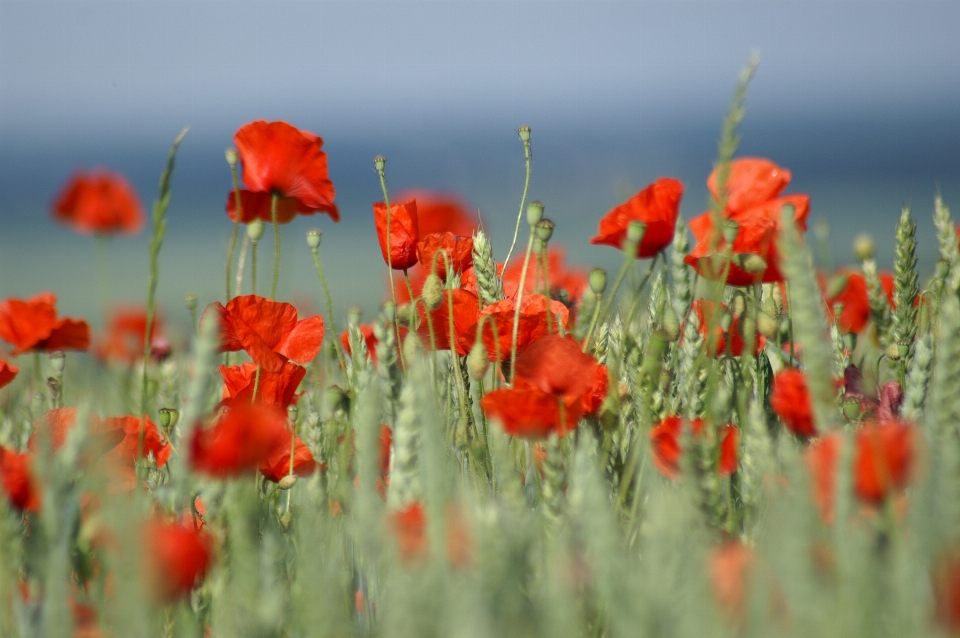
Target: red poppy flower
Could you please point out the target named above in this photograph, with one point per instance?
(17, 481)
(32, 325)
(856, 302)
(8, 372)
(465, 317)
(532, 325)
(99, 201)
(822, 457)
(459, 252)
(268, 331)
(528, 412)
(124, 336)
(154, 442)
(441, 213)
(753, 202)
(790, 399)
(239, 440)
(729, 341)
(729, 565)
(277, 388)
(178, 556)
(882, 460)
(593, 400)
(404, 233)
(558, 366)
(257, 205)
(282, 159)
(946, 590)
(409, 527)
(565, 282)
(656, 206)
(56, 424)
(665, 443)
(386, 444)
(276, 464)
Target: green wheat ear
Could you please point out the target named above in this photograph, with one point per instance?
(906, 288)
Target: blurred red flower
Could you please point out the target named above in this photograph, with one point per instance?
(370, 339)
(753, 202)
(665, 444)
(882, 460)
(8, 372)
(101, 202)
(729, 341)
(102, 435)
(32, 325)
(275, 387)
(729, 564)
(566, 283)
(593, 400)
(17, 481)
(154, 442)
(558, 366)
(409, 526)
(532, 324)
(258, 206)
(790, 399)
(853, 295)
(177, 557)
(528, 412)
(268, 331)
(276, 464)
(946, 590)
(404, 233)
(239, 440)
(465, 317)
(441, 213)
(459, 252)
(124, 336)
(656, 206)
(279, 158)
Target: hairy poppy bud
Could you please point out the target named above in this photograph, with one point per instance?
(851, 409)
(287, 481)
(635, 231)
(432, 291)
(545, 230)
(168, 418)
(412, 348)
(379, 162)
(863, 247)
(389, 310)
(478, 361)
(313, 238)
(255, 230)
(753, 264)
(231, 155)
(292, 412)
(534, 213)
(354, 314)
(670, 323)
(766, 325)
(738, 304)
(524, 132)
(598, 280)
(729, 229)
(407, 316)
(893, 352)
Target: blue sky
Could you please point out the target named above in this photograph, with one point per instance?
(859, 99)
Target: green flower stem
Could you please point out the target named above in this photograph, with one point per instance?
(545, 273)
(326, 293)
(253, 266)
(523, 203)
(628, 256)
(389, 251)
(236, 229)
(274, 199)
(241, 263)
(635, 305)
(516, 312)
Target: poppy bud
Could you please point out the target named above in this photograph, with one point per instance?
(766, 325)
(545, 230)
(191, 300)
(863, 248)
(407, 316)
(753, 264)
(389, 310)
(478, 361)
(313, 238)
(412, 348)
(534, 213)
(837, 309)
(57, 361)
(292, 412)
(598, 280)
(635, 231)
(729, 229)
(725, 320)
(893, 352)
(432, 291)
(524, 132)
(670, 323)
(231, 155)
(354, 314)
(851, 409)
(168, 418)
(738, 304)
(379, 162)
(287, 482)
(255, 230)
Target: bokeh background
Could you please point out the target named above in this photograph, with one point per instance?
(861, 100)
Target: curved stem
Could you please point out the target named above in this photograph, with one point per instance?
(516, 312)
(276, 241)
(628, 256)
(236, 227)
(253, 267)
(326, 293)
(523, 202)
(389, 251)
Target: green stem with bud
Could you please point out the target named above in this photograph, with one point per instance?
(274, 199)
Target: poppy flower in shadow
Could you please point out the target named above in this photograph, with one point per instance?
(498, 329)
(465, 317)
(656, 206)
(240, 439)
(790, 399)
(458, 251)
(103, 435)
(276, 464)
(279, 158)
(258, 206)
(528, 412)
(665, 445)
(593, 400)
(558, 366)
(177, 557)
(8, 373)
(124, 336)
(100, 202)
(17, 481)
(754, 209)
(268, 331)
(404, 233)
(32, 325)
(849, 288)
(275, 387)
